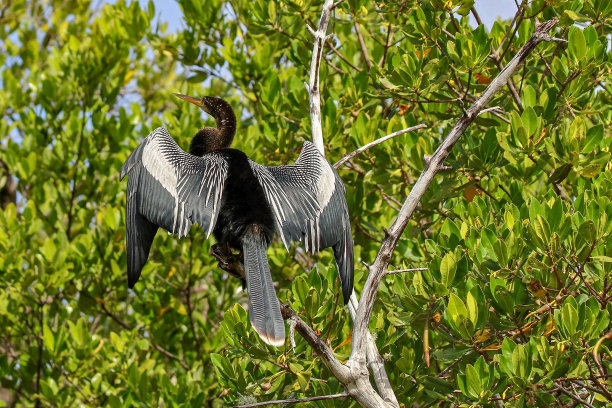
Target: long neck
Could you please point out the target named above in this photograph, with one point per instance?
(226, 124)
(209, 139)
(206, 140)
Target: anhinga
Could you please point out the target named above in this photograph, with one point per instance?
(241, 202)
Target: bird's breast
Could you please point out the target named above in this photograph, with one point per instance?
(244, 203)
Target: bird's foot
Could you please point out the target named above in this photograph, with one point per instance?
(228, 261)
(220, 251)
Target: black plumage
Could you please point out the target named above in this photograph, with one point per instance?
(244, 203)
(241, 202)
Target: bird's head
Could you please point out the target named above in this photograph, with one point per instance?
(207, 103)
(222, 136)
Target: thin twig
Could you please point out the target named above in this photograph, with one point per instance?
(573, 396)
(364, 49)
(607, 336)
(476, 16)
(494, 108)
(336, 4)
(170, 355)
(375, 142)
(293, 400)
(405, 270)
(342, 57)
(454, 363)
(390, 34)
(567, 81)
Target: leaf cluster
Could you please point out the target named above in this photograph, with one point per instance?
(515, 232)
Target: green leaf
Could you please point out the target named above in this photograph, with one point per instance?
(473, 381)
(303, 380)
(520, 362)
(580, 18)
(501, 295)
(577, 43)
(594, 137)
(300, 289)
(472, 308)
(114, 339)
(272, 10)
(578, 129)
(457, 316)
(48, 338)
(386, 83)
(587, 231)
(456, 307)
(542, 229)
(509, 218)
(222, 365)
(529, 97)
(529, 120)
(448, 268)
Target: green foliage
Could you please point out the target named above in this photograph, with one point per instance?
(515, 233)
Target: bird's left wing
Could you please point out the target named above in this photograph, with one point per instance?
(292, 199)
(171, 189)
(308, 199)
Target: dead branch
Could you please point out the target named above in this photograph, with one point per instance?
(375, 142)
(293, 400)
(380, 265)
(313, 84)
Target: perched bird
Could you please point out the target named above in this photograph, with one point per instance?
(241, 202)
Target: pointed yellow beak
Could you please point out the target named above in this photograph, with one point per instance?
(195, 101)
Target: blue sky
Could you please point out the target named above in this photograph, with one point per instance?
(489, 10)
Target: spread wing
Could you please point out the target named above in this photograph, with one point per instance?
(171, 189)
(309, 205)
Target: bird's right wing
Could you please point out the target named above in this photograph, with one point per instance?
(308, 200)
(170, 189)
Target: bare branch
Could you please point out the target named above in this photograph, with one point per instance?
(405, 270)
(380, 265)
(170, 355)
(607, 336)
(364, 49)
(313, 84)
(573, 396)
(354, 375)
(375, 142)
(293, 400)
(342, 57)
(292, 324)
(559, 40)
(494, 108)
(336, 4)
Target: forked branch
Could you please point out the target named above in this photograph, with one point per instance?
(378, 269)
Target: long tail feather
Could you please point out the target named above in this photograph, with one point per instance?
(264, 308)
(343, 252)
